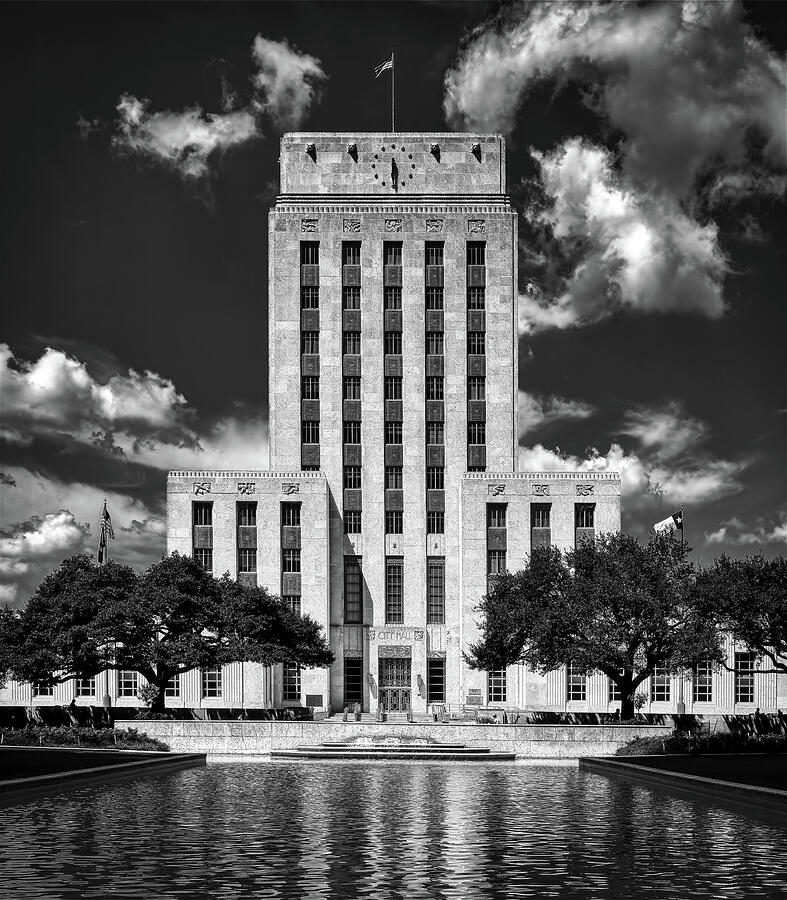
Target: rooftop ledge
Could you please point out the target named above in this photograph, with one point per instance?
(240, 473)
(544, 476)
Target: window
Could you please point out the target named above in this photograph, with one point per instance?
(476, 253)
(393, 298)
(247, 514)
(352, 387)
(310, 297)
(291, 682)
(392, 253)
(351, 253)
(435, 681)
(393, 478)
(660, 685)
(495, 562)
(435, 433)
(476, 298)
(310, 387)
(476, 432)
(86, 687)
(434, 254)
(203, 513)
(351, 342)
(613, 691)
(435, 522)
(393, 387)
(127, 683)
(496, 686)
(351, 298)
(476, 387)
(584, 514)
(353, 599)
(393, 432)
(394, 521)
(204, 556)
(292, 602)
(435, 478)
(496, 515)
(476, 343)
(434, 387)
(173, 687)
(353, 680)
(702, 682)
(43, 690)
(247, 559)
(576, 683)
(393, 342)
(310, 432)
(744, 677)
(310, 342)
(211, 682)
(291, 515)
(290, 560)
(394, 590)
(540, 515)
(310, 253)
(352, 521)
(351, 432)
(434, 343)
(435, 590)
(434, 298)
(352, 477)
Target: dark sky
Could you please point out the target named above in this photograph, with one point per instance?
(119, 262)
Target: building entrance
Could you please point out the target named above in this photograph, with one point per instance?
(395, 684)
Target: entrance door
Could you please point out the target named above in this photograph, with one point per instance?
(395, 684)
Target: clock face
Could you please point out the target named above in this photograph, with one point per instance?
(392, 166)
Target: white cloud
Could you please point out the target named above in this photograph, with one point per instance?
(538, 412)
(183, 140)
(736, 533)
(42, 538)
(626, 248)
(669, 431)
(288, 81)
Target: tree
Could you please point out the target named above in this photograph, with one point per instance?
(748, 597)
(175, 617)
(611, 604)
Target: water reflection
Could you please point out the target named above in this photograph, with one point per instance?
(316, 830)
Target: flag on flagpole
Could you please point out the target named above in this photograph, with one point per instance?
(671, 523)
(105, 530)
(388, 64)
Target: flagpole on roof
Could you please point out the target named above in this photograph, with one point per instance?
(393, 90)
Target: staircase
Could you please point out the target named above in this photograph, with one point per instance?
(393, 749)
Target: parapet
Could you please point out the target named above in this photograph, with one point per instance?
(392, 166)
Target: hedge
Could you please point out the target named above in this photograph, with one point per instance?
(74, 736)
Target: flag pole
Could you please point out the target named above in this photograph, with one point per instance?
(393, 90)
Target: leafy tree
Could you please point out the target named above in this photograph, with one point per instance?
(611, 604)
(748, 598)
(85, 619)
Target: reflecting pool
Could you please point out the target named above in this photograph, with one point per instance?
(354, 829)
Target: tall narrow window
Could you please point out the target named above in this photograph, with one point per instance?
(394, 521)
(352, 521)
(393, 342)
(292, 602)
(393, 298)
(351, 387)
(435, 680)
(310, 342)
(310, 387)
(393, 387)
(394, 590)
(496, 515)
(353, 680)
(352, 342)
(352, 477)
(211, 682)
(351, 297)
(702, 682)
(393, 432)
(290, 560)
(434, 343)
(745, 664)
(435, 590)
(476, 343)
(435, 522)
(435, 478)
(351, 432)
(435, 433)
(576, 687)
(496, 686)
(476, 387)
(476, 433)
(291, 515)
(353, 600)
(496, 562)
(660, 685)
(393, 478)
(434, 387)
(291, 682)
(310, 432)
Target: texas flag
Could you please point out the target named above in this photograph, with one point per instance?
(388, 64)
(671, 523)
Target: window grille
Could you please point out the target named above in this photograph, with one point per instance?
(613, 691)
(352, 387)
(393, 478)
(247, 559)
(291, 682)
(496, 686)
(435, 681)
(291, 515)
(496, 515)
(290, 560)
(310, 297)
(394, 521)
(392, 253)
(310, 387)
(434, 298)
(310, 253)
(310, 432)
(435, 522)
(434, 343)
(540, 514)
(351, 298)
(394, 590)
(435, 478)
(393, 387)
(476, 298)
(434, 387)
(351, 432)
(310, 342)
(203, 513)
(434, 254)
(584, 515)
(393, 342)
(393, 432)
(576, 687)
(352, 477)
(702, 682)
(435, 433)
(353, 599)
(247, 514)
(128, 682)
(351, 342)
(660, 685)
(476, 433)
(435, 590)
(393, 298)
(352, 521)
(744, 677)
(204, 556)
(476, 343)
(476, 387)
(476, 253)
(351, 253)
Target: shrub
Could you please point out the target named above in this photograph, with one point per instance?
(74, 736)
(722, 742)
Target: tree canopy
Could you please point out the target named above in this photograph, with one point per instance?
(84, 619)
(611, 605)
(748, 599)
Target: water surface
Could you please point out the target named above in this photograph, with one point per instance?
(391, 830)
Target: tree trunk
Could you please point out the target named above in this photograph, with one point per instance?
(158, 705)
(627, 706)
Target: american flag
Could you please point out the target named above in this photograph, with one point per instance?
(388, 64)
(105, 531)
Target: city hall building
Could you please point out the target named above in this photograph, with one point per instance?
(393, 490)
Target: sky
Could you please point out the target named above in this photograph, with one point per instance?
(646, 159)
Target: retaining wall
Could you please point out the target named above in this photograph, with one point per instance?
(534, 741)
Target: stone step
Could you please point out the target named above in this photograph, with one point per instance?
(473, 755)
(392, 748)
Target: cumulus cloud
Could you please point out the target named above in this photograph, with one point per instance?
(288, 81)
(736, 533)
(668, 431)
(285, 87)
(692, 91)
(538, 412)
